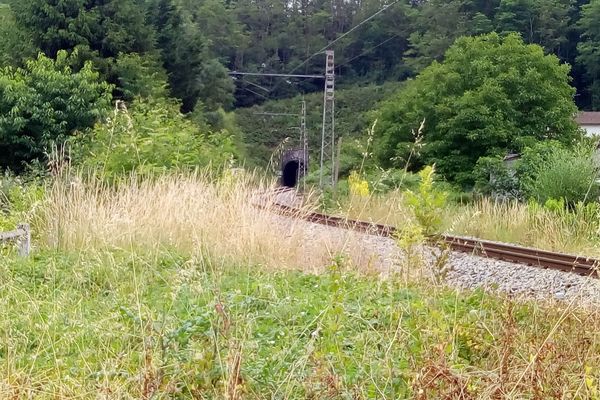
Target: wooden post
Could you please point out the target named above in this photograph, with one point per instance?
(25, 240)
(336, 173)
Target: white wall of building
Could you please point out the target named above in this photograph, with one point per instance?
(591, 130)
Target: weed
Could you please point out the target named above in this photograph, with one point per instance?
(358, 186)
(410, 239)
(427, 203)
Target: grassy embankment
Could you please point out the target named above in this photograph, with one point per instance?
(178, 288)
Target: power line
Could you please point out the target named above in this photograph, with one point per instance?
(291, 73)
(255, 85)
(256, 93)
(367, 51)
(344, 35)
(274, 114)
(275, 75)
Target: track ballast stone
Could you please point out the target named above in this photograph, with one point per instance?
(471, 272)
(468, 271)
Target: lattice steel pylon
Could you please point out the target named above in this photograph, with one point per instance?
(328, 130)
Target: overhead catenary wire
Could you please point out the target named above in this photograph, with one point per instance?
(384, 8)
(274, 75)
(320, 51)
(256, 93)
(255, 85)
(370, 49)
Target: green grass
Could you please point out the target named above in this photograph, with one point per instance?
(177, 287)
(124, 325)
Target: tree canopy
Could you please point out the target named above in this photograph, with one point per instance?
(491, 94)
(182, 51)
(45, 102)
(199, 40)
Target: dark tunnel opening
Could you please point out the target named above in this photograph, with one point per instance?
(289, 175)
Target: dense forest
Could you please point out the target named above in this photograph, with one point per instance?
(176, 55)
(197, 41)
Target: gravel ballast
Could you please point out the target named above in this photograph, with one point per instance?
(465, 271)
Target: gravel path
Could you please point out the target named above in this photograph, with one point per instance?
(465, 271)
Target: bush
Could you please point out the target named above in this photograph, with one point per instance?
(551, 171)
(19, 201)
(140, 75)
(427, 203)
(151, 137)
(386, 180)
(493, 177)
(44, 103)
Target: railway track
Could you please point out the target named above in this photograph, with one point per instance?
(485, 248)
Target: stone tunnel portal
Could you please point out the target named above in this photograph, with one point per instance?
(292, 167)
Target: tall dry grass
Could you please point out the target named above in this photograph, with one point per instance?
(573, 231)
(151, 323)
(191, 213)
(570, 231)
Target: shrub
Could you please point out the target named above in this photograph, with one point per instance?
(493, 177)
(151, 137)
(555, 172)
(44, 103)
(358, 186)
(491, 94)
(427, 203)
(19, 201)
(140, 75)
(383, 181)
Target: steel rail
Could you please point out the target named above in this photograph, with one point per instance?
(485, 248)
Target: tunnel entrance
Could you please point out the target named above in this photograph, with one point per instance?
(294, 164)
(290, 171)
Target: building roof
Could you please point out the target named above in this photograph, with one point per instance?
(588, 118)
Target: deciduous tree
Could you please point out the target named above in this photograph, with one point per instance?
(44, 103)
(489, 95)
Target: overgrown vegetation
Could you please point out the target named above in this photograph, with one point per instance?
(163, 325)
(263, 133)
(546, 171)
(154, 274)
(45, 102)
(150, 137)
(553, 225)
(178, 287)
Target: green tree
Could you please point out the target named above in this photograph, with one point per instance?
(436, 24)
(218, 23)
(490, 95)
(107, 27)
(16, 45)
(44, 103)
(194, 74)
(589, 48)
(545, 22)
(150, 137)
(141, 75)
(99, 29)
